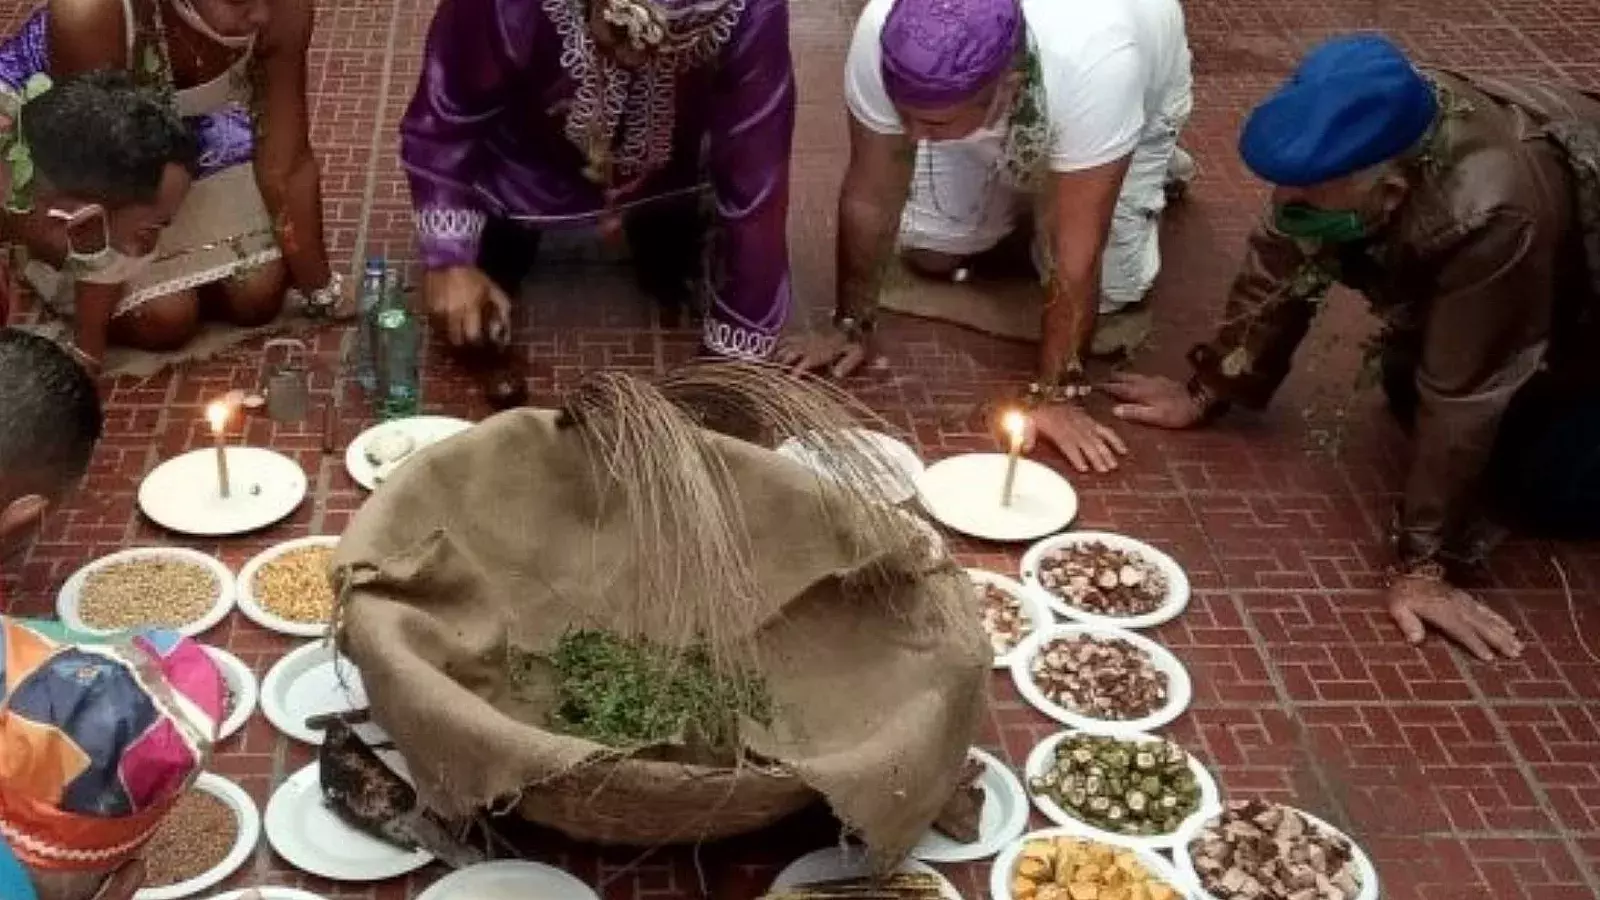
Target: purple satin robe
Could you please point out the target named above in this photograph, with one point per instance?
(483, 137)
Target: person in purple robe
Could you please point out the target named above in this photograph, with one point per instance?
(614, 114)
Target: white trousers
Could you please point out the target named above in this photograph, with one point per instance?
(959, 206)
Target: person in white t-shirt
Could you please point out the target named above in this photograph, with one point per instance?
(1070, 109)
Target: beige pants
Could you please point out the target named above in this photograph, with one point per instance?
(960, 207)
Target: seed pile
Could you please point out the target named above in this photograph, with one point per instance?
(1137, 788)
(1105, 678)
(1097, 579)
(1003, 618)
(147, 593)
(295, 586)
(1074, 869)
(1262, 851)
(191, 841)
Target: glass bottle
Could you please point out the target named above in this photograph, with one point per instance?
(371, 298)
(399, 363)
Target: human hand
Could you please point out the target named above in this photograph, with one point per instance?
(1159, 402)
(470, 308)
(834, 350)
(1084, 442)
(1418, 602)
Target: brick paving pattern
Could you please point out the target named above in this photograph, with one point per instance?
(1463, 781)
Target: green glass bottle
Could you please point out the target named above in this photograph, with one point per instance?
(399, 352)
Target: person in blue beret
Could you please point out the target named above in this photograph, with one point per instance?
(1467, 211)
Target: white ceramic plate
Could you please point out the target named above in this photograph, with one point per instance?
(1039, 762)
(310, 837)
(964, 493)
(68, 597)
(509, 879)
(837, 863)
(1177, 581)
(1364, 868)
(1005, 815)
(271, 894)
(1006, 864)
(1179, 689)
(242, 682)
(425, 430)
(311, 681)
(898, 484)
(1033, 606)
(184, 494)
(260, 614)
(249, 819)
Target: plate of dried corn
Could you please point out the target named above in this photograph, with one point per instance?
(287, 589)
(1056, 864)
(147, 587)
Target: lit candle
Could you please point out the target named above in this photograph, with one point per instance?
(217, 414)
(1016, 428)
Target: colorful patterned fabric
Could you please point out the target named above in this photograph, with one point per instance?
(98, 737)
(226, 136)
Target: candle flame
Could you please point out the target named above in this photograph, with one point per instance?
(1016, 425)
(217, 414)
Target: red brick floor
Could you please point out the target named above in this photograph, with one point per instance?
(1463, 780)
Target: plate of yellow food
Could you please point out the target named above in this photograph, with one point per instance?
(1056, 864)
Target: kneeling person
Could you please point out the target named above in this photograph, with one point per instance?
(964, 116)
(96, 208)
(1466, 210)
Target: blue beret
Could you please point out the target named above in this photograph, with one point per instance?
(1354, 102)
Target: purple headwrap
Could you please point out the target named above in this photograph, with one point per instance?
(939, 53)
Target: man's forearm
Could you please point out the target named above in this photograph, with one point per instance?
(1068, 324)
(866, 241)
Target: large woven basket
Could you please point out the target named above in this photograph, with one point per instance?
(645, 802)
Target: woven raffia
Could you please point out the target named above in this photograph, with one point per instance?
(623, 513)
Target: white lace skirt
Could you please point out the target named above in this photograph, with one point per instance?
(221, 230)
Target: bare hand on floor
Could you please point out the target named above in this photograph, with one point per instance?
(1418, 603)
(1085, 443)
(831, 350)
(1153, 401)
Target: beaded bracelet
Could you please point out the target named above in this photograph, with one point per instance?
(855, 328)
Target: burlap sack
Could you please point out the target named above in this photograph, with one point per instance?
(508, 534)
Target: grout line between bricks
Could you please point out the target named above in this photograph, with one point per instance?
(1586, 869)
(1332, 796)
(152, 454)
(369, 194)
(1527, 42)
(1285, 700)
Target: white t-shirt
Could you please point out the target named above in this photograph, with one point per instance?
(1108, 67)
